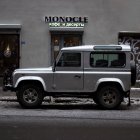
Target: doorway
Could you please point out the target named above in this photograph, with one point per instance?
(9, 52)
(60, 40)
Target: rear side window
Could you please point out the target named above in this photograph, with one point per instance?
(107, 59)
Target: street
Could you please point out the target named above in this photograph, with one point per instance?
(38, 128)
(69, 120)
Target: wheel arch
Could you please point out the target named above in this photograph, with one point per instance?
(111, 82)
(31, 79)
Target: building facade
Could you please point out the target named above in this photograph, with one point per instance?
(33, 31)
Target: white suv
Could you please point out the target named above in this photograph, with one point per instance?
(102, 72)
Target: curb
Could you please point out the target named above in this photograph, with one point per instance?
(9, 98)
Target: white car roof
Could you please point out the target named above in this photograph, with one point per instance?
(98, 48)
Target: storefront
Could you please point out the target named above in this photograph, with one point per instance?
(33, 32)
(65, 32)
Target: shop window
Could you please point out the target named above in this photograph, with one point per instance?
(9, 52)
(132, 39)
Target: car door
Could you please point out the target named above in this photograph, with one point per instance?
(68, 75)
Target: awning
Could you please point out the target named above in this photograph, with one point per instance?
(10, 26)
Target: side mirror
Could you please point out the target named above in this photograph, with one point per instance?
(54, 65)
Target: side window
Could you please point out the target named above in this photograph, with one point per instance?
(69, 60)
(107, 59)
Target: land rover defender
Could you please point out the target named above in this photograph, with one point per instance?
(104, 73)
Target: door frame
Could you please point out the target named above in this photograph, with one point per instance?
(62, 34)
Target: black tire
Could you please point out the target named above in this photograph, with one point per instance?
(109, 97)
(133, 72)
(30, 96)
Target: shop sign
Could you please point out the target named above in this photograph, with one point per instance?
(66, 25)
(66, 19)
(66, 22)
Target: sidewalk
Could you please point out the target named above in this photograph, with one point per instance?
(135, 92)
(5, 96)
(6, 93)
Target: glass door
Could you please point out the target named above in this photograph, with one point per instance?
(59, 41)
(70, 40)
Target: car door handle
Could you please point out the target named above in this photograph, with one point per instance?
(77, 76)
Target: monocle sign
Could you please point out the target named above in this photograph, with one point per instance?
(66, 22)
(66, 19)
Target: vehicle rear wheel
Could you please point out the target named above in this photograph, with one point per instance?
(30, 96)
(109, 97)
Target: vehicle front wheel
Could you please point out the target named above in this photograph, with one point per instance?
(109, 97)
(30, 96)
